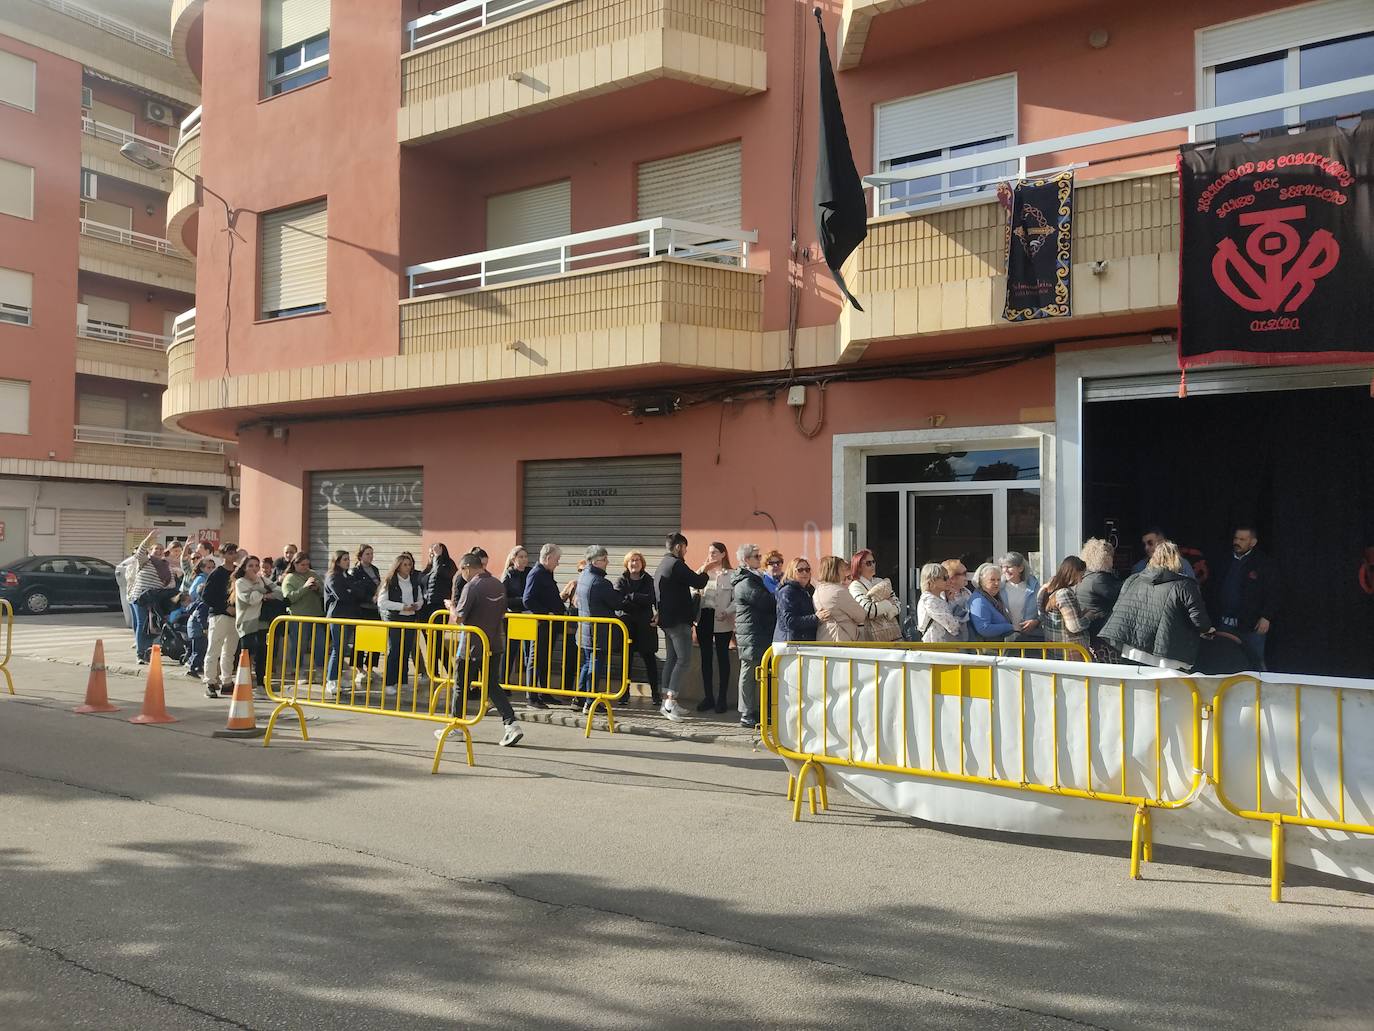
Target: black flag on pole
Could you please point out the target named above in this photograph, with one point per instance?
(841, 210)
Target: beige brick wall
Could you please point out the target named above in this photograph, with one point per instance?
(169, 271)
(181, 203)
(642, 294)
(147, 457)
(103, 158)
(120, 361)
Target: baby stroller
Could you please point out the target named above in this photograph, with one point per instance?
(169, 632)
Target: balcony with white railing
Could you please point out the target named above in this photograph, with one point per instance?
(480, 62)
(182, 206)
(935, 256)
(128, 254)
(187, 31)
(141, 438)
(117, 352)
(644, 282)
(156, 457)
(131, 33)
(118, 137)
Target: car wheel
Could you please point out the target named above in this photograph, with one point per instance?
(36, 603)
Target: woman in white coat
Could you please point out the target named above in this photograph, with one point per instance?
(877, 597)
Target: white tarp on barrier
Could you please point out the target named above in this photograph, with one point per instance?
(1091, 727)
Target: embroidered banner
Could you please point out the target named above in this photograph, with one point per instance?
(1278, 250)
(1039, 242)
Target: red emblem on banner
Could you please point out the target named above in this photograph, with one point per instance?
(1264, 282)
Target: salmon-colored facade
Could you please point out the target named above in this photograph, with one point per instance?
(417, 123)
(92, 287)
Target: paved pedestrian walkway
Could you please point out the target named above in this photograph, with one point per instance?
(71, 636)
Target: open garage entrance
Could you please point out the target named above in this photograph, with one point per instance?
(1298, 463)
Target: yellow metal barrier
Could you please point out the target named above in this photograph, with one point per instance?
(307, 658)
(1333, 699)
(7, 628)
(533, 664)
(923, 726)
(1067, 650)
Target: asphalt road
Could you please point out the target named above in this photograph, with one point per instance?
(155, 878)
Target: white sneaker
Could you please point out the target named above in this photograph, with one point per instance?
(672, 713)
(359, 678)
(677, 708)
(331, 690)
(438, 733)
(512, 735)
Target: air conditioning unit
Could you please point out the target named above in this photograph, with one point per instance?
(87, 98)
(156, 111)
(235, 499)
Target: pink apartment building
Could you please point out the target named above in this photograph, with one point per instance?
(567, 250)
(91, 285)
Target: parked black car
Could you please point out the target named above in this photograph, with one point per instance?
(37, 583)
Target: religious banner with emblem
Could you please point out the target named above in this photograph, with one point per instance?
(1039, 240)
(1277, 255)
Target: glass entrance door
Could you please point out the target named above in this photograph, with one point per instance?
(952, 525)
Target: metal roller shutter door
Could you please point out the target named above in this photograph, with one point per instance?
(352, 507)
(624, 504)
(1223, 381)
(703, 186)
(526, 216)
(91, 534)
(98, 410)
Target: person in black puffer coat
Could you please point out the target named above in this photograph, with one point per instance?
(637, 612)
(437, 578)
(1159, 618)
(344, 595)
(756, 615)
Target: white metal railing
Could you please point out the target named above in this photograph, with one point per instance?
(115, 27)
(1196, 123)
(184, 326)
(139, 438)
(116, 234)
(123, 335)
(189, 124)
(114, 134)
(647, 238)
(467, 16)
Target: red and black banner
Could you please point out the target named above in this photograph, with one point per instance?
(1039, 242)
(1277, 256)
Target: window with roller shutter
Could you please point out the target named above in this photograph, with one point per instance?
(527, 216)
(16, 297)
(297, 43)
(293, 252)
(703, 186)
(16, 189)
(18, 76)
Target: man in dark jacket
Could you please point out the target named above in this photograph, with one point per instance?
(1248, 593)
(673, 583)
(756, 614)
(1159, 618)
(542, 598)
(483, 605)
(596, 596)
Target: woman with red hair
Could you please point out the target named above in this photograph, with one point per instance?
(876, 596)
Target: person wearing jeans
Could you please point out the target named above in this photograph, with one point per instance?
(595, 597)
(674, 582)
(400, 598)
(483, 604)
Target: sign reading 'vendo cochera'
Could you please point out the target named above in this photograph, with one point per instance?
(1278, 249)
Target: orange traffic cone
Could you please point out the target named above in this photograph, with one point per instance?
(154, 704)
(97, 700)
(242, 721)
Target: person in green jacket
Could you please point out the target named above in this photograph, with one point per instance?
(305, 642)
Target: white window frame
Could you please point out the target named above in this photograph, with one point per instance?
(1206, 74)
(279, 84)
(934, 199)
(10, 410)
(14, 314)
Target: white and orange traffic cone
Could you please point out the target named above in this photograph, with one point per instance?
(242, 722)
(154, 702)
(97, 695)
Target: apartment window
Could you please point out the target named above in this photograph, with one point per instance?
(114, 117)
(176, 505)
(108, 213)
(18, 78)
(293, 262)
(951, 123)
(90, 185)
(106, 317)
(297, 43)
(16, 297)
(14, 406)
(527, 216)
(1310, 45)
(16, 189)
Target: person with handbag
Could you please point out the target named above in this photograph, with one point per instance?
(877, 597)
(846, 619)
(637, 588)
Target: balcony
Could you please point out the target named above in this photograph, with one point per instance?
(108, 45)
(181, 367)
(939, 270)
(654, 292)
(150, 457)
(100, 145)
(125, 254)
(468, 67)
(182, 205)
(119, 353)
(187, 30)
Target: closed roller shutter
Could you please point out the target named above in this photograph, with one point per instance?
(17, 78)
(102, 309)
(1292, 27)
(1222, 381)
(294, 21)
(353, 507)
(524, 216)
(116, 117)
(16, 189)
(108, 213)
(624, 504)
(98, 410)
(703, 186)
(294, 258)
(947, 118)
(16, 296)
(91, 534)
